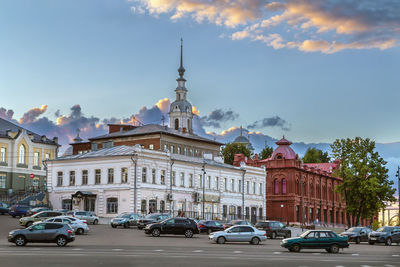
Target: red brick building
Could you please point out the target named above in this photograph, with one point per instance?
(297, 192)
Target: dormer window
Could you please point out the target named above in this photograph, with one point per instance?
(279, 156)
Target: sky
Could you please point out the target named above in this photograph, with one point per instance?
(311, 70)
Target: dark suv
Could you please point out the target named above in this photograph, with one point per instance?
(59, 233)
(357, 234)
(152, 218)
(174, 226)
(274, 229)
(385, 234)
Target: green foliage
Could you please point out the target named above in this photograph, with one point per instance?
(314, 155)
(365, 184)
(375, 225)
(229, 151)
(266, 152)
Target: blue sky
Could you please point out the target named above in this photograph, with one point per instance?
(112, 61)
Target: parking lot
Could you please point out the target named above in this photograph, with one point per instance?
(115, 247)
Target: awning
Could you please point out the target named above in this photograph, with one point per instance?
(81, 194)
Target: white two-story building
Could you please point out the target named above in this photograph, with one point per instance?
(132, 179)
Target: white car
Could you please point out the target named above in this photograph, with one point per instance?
(239, 233)
(80, 227)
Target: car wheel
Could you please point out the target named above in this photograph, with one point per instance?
(273, 235)
(20, 241)
(388, 242)
(328, 250)
(296, 248)
(79, 231)
(358, 240)
(221, 240)
(334, 249)
(371, 242)
(13, 216)
(189, 233)
(28, 224)
(255, 241)
(209, 231)
(95, 222)
(61, 241)
(156, 232)
(113, 226)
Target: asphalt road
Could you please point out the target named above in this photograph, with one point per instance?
(105, 246)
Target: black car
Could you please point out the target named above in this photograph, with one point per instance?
(210, 226)
(174, 226)
(152, 218)
(4, 208)
(236, 222)
(385, 234)
(357, 234)
(274, 229)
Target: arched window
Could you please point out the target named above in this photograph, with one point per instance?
(276, 187)
(283, 186)
(188, 124)
(176, 124)
(21, 154)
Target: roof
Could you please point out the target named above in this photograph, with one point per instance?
(241, 139)
(154, 128)
(183, 105)
(284, 149)
(6, 125)
(328, 167)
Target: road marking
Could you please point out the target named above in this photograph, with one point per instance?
(365, 266)
(76, 249)
(117, 249)
(395, 255)
(277, 253)
(158, 250)
(198, 251)
(237, 251)
(355, 254)
(388, 265)
(317, 253)
(35, 249)
(339, 266)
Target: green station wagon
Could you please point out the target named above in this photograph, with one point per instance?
(316, 239)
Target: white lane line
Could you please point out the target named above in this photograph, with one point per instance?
(365, 266)
(198, 251)
(237, 251)
(388, 265)
(276, 253)
(76, 249)
(117, 249)
(355, 254)
(35, 249)
(317, 253)
(395, 255)
(340, 266)
(158, 250)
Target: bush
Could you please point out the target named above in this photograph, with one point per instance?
(375, 225)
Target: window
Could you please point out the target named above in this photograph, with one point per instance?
(94, 146)
(165, 147)
(162, 176)
(3, 180)
(36, 159)
(153, 176)
(72, 178)
(144, 175)
(111, 176)
(248, 187)
(162, 205)
(225, 184)
(190, 180)
(176, 124)
(21, 159)
(276, 187)
(200, 181)
(124, 175)
(283, 186)
(185, 151)
(254, 188)
(112, 205)
(261, 188)
(191, 152)
(97, 176)
(59, 178)
(216, 186)
(108, 144)
(240, 186)
(179, 150)
(151, 146)
(173, 178)
(172, 149)
(232, 185)
(84, 177)
(3, 154)
(182, 179)
(209, 182)
(47, 156)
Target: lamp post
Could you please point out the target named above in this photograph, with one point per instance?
(204, 189)
(281, 210)
(244, 172)
(170, 186)
(398, 190)
(134, 160)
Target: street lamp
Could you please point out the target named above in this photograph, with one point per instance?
(398, 190)
(281, 210)
(204, 188)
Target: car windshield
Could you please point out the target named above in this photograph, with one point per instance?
(305, 234)
(124, 215)
(152, 216)
(384, 229)
(354, 229)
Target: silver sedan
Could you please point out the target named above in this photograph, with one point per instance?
(239, 233)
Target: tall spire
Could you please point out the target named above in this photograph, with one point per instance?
(181, 69)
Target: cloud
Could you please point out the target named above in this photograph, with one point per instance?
(217, 116)
(308, 25)
(275, 121)
(32, 114)
(6, 114)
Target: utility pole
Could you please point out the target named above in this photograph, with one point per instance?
(204, 188)
(301, 202)
(398, 190)
(170, 187)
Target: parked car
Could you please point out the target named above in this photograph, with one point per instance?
(385, 234)
(210, 226)
(33, 211)
(41, 216)
(274, 229)
(152, 218)
(63, 211)
(175, 226)
(18, 210)
(4, 208)
(84, 215)
(59, 233)
(357, 234)
(236, 222)
(239, 233)
(125, 219)
(79, 227)
(316, 239)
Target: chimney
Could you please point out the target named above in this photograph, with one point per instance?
(184, 129)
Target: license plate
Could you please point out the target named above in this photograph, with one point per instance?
(372, 238)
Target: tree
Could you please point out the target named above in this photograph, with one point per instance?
(365, 185)
(266, 152)
(230, 149)
(314, 155)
